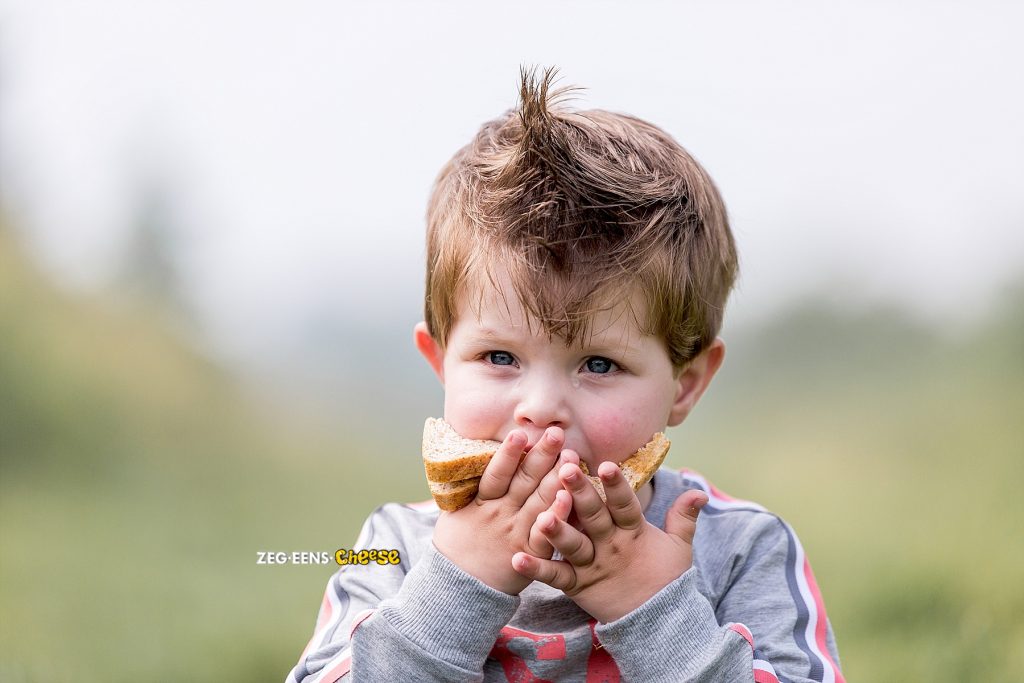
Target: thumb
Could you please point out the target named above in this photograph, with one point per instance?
(681, 520)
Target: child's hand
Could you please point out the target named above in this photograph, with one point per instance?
(617, 560)
(482, 537)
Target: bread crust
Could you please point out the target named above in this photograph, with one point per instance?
(470, 458)
(466, 468)
(453, 496)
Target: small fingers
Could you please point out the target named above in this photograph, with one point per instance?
(554, 573)
(590, 509)
(681, 520)
(499, 471)
(562, 505)
(574, 546)
(623, 505)
(538, 462)
(560, 508)
(550, 485)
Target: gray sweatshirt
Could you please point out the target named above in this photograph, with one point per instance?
(747, 610)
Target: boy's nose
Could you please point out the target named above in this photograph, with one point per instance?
(540, 406)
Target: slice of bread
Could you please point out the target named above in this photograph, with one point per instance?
(454, 464)
(448, 457)
(454, 495)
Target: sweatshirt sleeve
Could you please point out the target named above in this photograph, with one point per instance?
(430, 622)
(769, 624)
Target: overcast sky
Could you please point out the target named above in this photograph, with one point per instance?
(872, 151)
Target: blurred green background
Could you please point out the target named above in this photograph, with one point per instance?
(139, 480)
(211, 260)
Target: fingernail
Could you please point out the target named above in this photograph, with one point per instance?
(572, 476)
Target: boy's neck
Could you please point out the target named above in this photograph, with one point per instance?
(646, 495)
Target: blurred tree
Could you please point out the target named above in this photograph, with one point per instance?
(150, 274)
(149, 270)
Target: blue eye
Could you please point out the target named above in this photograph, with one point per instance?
(501, 358)
(599, 366)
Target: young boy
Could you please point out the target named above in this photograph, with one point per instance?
(577, 271)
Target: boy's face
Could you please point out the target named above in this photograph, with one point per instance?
(610, 393)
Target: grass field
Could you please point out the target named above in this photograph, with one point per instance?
(138, 482)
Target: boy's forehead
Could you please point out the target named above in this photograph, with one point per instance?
(496, 310)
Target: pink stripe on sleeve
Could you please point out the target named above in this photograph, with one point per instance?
(743, 631)
(764, 676)
(820, 627)
(359, 619)
(340, 669)
(325, 615)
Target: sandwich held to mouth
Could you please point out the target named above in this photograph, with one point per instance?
(455, 464)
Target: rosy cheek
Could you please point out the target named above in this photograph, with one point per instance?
(608, 433)
(615, 433)
(476, 414)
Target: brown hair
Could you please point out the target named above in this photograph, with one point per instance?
(581, 208)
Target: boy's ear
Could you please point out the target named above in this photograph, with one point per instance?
(430, 349)
(694, 379)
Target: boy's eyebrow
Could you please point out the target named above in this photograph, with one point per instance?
(486, 336)
(625, 349)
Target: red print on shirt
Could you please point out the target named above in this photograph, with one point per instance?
(548, 646)
(601, 667)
